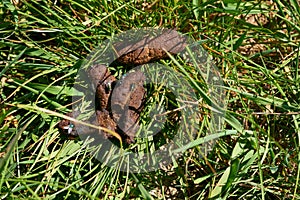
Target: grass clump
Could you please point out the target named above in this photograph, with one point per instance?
(254, 45)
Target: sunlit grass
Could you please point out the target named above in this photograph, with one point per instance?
(254, 45)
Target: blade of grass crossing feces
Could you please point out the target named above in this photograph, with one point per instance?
(43, 110)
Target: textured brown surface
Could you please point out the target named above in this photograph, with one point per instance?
(127, 102)
(104, 82)
(142, 56)
(64, 126)
(118, 107)
(148, 48)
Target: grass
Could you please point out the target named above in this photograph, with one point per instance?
(254, 45)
